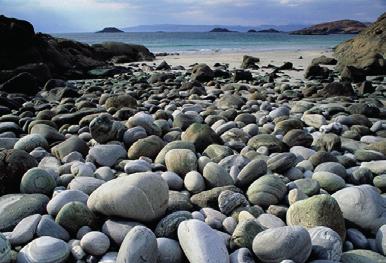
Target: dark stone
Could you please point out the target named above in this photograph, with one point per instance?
(201, 135)
(39, 70)
(13, 165)
(57, 94)
(15, 32)
(322, 157)
(202, 73)
(336, 89)
(72, 144)
(108, 50)
(317, 72)
(298, 137)
(106, 72)
(286, 66)
(249, 62)
(364, 109)
(160, 77)
(351, 73)
(365, 87)
(163, 66)
(219, 73)
(242, 75)
(24, 83)
(324, 61)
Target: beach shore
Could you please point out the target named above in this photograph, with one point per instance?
(234, 60)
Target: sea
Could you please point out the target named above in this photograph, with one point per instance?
(193, 42)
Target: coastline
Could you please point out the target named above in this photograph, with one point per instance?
(205, 42)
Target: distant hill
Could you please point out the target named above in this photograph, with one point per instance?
(220, 30)
(110, 30)
(334, 27)
(207, 28)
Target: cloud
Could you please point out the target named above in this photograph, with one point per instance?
(91, 15)
(294, 2)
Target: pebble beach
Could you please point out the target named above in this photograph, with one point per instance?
(215, 158)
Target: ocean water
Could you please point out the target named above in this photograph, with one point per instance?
(213, 42)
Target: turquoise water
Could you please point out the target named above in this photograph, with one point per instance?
(217, 42)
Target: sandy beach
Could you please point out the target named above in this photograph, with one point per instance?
(234, 60)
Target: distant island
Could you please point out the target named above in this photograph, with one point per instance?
(334, 27)
(207, 28)
(221, 30)
(110, 30)
(270, 30)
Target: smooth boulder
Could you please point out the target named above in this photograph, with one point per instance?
(363, 206)
(139, 245)
(278, 244)
(201, 244)
(148, 194)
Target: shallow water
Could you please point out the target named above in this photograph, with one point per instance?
(213, 42)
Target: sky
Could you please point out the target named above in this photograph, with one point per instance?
(58, 16)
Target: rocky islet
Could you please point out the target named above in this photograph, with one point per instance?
(164, 165)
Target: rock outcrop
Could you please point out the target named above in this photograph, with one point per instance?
(366, 51)
(44, 57)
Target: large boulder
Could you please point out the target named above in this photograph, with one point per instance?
(15, 32)
(44, 249)
(202, 73)
(109, 50)
(336, 89)
(139, 245)
(249, 62)
(201, 243)
(319, 210)
(201, 135)
(323, 60)
(287, 242)
(363, 206)
(16, 207)
(366, 51)
(148, 194)
(316, 72)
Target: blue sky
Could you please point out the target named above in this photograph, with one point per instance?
(90, 15)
